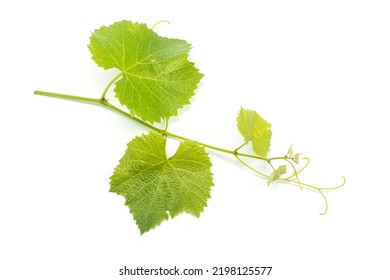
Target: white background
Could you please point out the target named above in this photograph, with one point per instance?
(317, 70)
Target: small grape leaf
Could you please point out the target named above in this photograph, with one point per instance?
(156, 187)
(254, 128)
(296, 158)
(290, 151)
(277, 173)
(157, 77)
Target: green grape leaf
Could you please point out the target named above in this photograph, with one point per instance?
(277, 173)
(157, 78)
(156, 187)
(255, 129)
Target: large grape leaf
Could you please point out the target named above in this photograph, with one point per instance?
(157, 77)
(156, 187)
(254, 128)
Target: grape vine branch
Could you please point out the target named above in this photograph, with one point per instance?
(155, 81)
(294, 178)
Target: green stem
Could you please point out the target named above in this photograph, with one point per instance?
(239, 148)
(103, 102)
(294, 179)
(251, 168)
(109, 85)
(106, 104)
(67, 96)
(166, 124)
